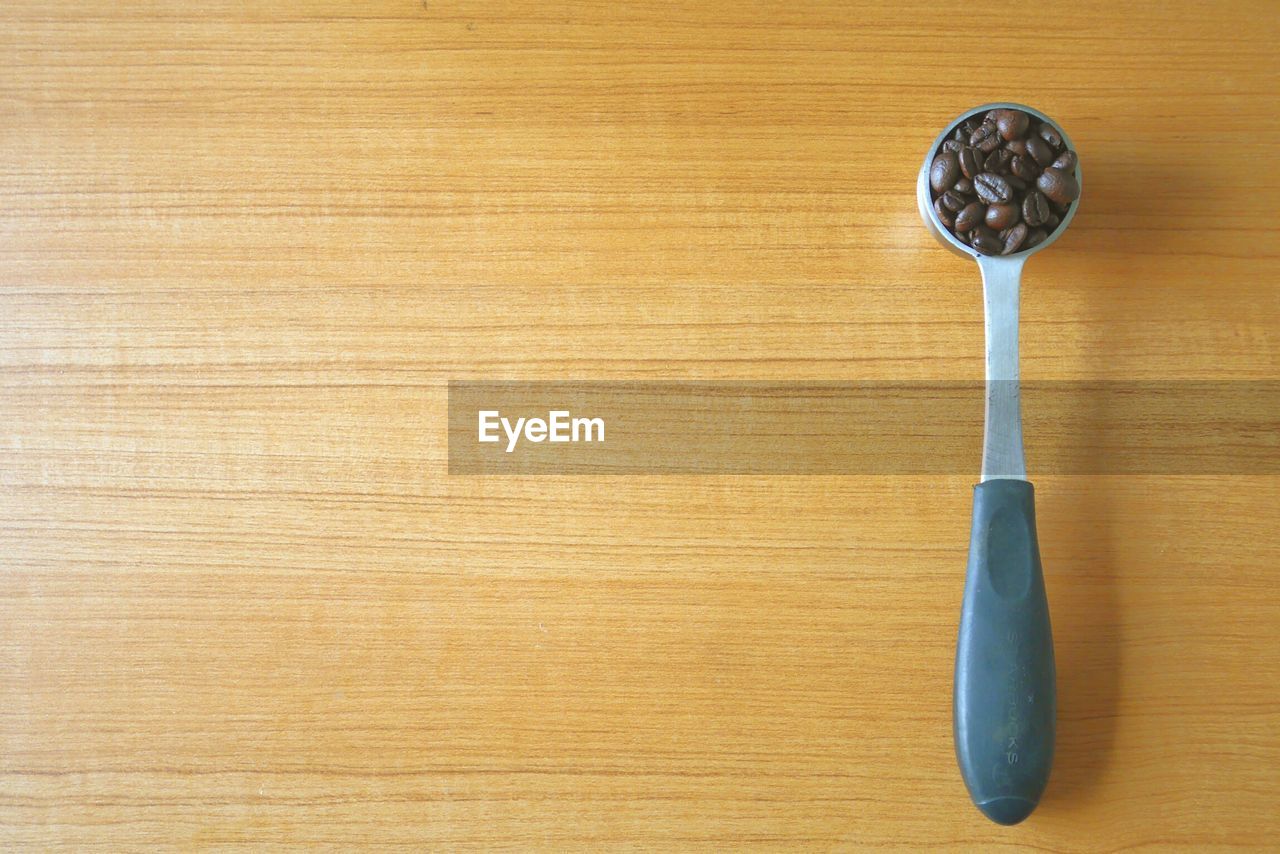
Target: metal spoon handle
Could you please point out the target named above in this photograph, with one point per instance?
(1005, 695)
(1002, 437)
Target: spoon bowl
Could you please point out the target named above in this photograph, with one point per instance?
(925, 202)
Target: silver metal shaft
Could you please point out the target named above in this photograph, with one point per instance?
(1002, 438)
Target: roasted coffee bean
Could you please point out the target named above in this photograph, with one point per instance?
(1034, 238)
(1000, 217)
(982, 131)
(1058, 186)
(1017, 146)
(971, 217)
(1040, 150)
(1052, 222)
(944, 172)
(947, 218)
(1017, 183)
(964, 187)
(1012, 124)
(986, 138)
(1035, 209)
(1050, 135)
(1024, 167)
(985, 241)
(1066, 161)
(953, 201)
(1014, 238)
(970, 162)
(997, 161)
(952, 145)
(993, 189)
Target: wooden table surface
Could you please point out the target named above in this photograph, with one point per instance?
(245, 246)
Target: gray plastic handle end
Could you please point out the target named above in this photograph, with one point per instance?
(1005, 694)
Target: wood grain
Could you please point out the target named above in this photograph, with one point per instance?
(244, 247)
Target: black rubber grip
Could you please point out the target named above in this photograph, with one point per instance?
(1005, 695)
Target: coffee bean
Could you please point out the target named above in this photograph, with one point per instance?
(1058, 186)
(993, 189)
(985, 241)
(1035, 209)
(944, 172)
(986, 138)
(1066, 161)
(1050, 135)
(964, 187)
(997, 161)
(971, 217)
(953, 201)
(1017, 146)
(1001, 217)
(1034, 238)
(1052, 222)
(1012, 124)
(1024, 167)
(1040, 150)
(982, 131)
(1017, 183)
(952, 145)
(1014, 238)
(970, 162)
(943, 214)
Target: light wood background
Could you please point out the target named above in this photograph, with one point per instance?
(244, 246)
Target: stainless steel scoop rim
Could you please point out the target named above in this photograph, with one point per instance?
(930, 216)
